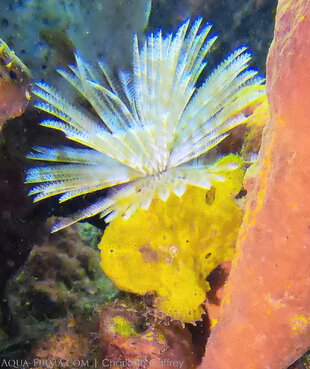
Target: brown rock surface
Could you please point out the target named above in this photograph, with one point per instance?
(14, 84)
(13, 99)
(131, 336)
(265, 321)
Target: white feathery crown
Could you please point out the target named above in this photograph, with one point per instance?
(150, 127)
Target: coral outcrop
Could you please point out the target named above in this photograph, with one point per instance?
(66, 348)
(131, 337)
(265, 320)
(61, 277)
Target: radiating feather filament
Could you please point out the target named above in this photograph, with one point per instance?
(149, 127)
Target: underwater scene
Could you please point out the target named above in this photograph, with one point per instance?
(154, 184)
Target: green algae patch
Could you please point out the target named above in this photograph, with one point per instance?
(123, 327)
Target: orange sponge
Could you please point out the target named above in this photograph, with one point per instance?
(265, 320)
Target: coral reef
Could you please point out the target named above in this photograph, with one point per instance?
(61, 277)
(18, 223)
(69, 347)
(265, 319)
(44, 34)
(130, 333)
(22, 224)
(125, 334)
(180, 241)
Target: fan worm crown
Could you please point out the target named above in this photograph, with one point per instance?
(151, 125)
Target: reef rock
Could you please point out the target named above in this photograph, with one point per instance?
(14, 84)
(130, 336)
(61, 277)
(265, 318)
(66, 348)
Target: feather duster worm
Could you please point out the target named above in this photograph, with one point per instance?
(150, 127)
